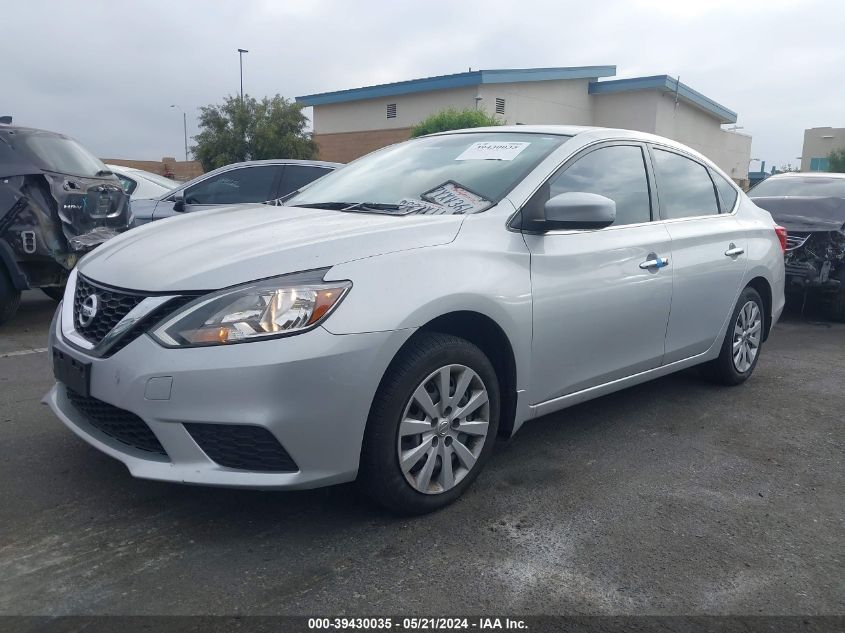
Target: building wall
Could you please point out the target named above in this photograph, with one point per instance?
(343, 147)
(371, 114)
(564, 102)
(655, 112)
(819, 142)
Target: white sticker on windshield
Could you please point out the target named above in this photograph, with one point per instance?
(488, 150)
(457, 199)
(412, 205)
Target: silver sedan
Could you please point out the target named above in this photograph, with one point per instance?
(402, 312)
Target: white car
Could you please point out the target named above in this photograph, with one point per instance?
(142, 185)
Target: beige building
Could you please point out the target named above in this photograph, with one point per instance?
(350, 123)
(168, 166)
(819, 142)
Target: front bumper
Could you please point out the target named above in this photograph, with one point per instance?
(311, 391)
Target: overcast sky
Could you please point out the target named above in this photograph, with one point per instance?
(107, 72)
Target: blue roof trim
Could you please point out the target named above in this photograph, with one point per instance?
(459, 80)
(669, 84)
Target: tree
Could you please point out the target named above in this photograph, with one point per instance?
(248, 129)
(836, 161)
(452, 119)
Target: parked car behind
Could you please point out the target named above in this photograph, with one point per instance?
(811, 206)
(57, 202)
(239, 183)
(404, 311)
(142, 185)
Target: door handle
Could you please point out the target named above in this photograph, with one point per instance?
(654, 262)
(734, 250)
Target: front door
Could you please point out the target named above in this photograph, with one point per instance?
(601, 306)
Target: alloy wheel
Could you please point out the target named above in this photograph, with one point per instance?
(443, 429)
(746, 338)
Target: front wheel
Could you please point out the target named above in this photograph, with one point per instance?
(743, 341)
(432, 426)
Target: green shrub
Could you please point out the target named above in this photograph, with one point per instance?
(452, 119)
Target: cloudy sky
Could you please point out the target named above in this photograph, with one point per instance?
(107, 72)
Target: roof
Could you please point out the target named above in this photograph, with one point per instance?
(459, 80)
(667, 84)
(807, 174)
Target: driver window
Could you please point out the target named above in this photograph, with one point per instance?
(616, 172)
(238, 186)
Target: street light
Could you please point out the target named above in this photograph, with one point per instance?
(184, 127)
(241, 52)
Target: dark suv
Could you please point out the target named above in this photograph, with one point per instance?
(57, 202)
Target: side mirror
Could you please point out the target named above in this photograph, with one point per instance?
(578, 210)
(179, 201)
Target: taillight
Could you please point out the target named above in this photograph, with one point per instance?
(781, 233)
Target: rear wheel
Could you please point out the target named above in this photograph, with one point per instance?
(743, 341)
(10, 297)
(432, 426)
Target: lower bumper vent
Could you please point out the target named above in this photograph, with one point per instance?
(127, 428)
(242, 446)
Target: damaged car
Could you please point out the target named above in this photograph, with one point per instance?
(811, 206)
(57, 202)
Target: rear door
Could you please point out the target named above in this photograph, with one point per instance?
(600, 303)
(708, 251)
(255, 183)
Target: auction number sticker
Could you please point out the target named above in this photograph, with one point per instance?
(457, 199)
(490, 150)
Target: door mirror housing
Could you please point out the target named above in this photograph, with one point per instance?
(179, 201)
(578, 210)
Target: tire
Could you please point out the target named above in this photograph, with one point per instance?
(56, 293)
(726, 369)
(425, 485)
(836, 309)
(10, 297)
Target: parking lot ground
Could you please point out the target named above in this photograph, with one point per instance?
(674, 497)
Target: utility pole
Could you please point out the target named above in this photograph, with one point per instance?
(184, 128)
(241, 52)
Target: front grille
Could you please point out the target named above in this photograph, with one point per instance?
(119, 424)
(112, 306)
(242, 446)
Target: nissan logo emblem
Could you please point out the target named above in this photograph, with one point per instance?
(88, 310)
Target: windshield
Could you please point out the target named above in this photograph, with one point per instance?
(61, 154)
(797, 186)
(449, 174)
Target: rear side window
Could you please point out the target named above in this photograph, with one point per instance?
(727, 192)
(684, 186)
(297, 176)
(238, 186)
(617, 173)
(128, 184)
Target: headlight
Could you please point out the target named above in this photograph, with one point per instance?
(260, 310)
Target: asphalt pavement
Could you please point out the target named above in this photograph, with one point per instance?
(674, 497)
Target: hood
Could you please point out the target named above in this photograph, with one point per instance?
(207, 250)
(805, 214)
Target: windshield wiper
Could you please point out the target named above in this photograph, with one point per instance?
(360, 207)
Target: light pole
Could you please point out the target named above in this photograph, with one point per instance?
(184, 127)
(241, 52)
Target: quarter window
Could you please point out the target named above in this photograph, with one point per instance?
(238, 186)
(727, 192)
(684, 186)
(617, 173)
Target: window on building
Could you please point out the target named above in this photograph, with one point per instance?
(819, 164)
(617, 173)
(500, 105)
(684, 186)
(391, 110)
